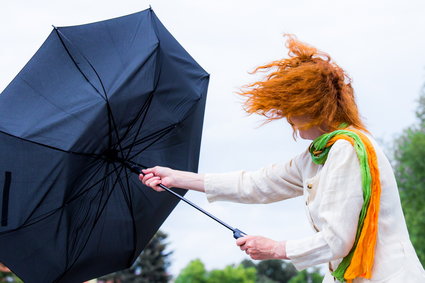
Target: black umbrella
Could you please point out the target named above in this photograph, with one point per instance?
(96, 102)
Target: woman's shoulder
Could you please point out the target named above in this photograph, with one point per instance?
(343, 147)
(305, 164)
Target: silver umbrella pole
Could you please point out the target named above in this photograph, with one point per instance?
(137, 168)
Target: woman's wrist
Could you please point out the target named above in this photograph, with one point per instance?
(188, 180)
(280, 250)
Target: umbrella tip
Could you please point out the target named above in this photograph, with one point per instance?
(54, 27)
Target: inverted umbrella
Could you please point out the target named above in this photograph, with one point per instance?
(94, 103)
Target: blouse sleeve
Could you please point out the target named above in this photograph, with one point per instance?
(341, 199)
(273, 183)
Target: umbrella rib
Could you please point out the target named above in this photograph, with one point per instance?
(98, 213)
(85, 218)
(91, 187)
(40, 202)
(149, 145)
(62, 210)
(92, 228)
(126, 197)
(130, 207)
(105, 184)
(146, 105)
(101, 192)
(111, 122)
(151, 136)
(60, 35)
(92, 155)
(143, 111)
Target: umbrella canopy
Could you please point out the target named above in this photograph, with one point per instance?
(92, 99)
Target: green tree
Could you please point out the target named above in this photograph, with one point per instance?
(150, 266)
(232, 274)
(194, 272)
(248, 263)
(272, 271)
(409, 165)
(154, 260)
(277, 270)
(307, 277)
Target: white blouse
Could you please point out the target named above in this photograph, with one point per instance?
(333, 197)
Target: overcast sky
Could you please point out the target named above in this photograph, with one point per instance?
(379, 43)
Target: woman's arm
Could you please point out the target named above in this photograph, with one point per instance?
(152, 177)
(269, 184)
(272, 183)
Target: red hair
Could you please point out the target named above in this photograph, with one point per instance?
(308, 83)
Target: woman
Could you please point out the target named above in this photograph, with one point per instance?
(349, 187)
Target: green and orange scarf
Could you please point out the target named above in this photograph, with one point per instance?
(359, 261)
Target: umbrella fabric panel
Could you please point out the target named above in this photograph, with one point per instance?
(49, 83)
(182, 80)
(174, 49)
(26, 161)
(116, 48)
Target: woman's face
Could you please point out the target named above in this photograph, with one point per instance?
(299, 122)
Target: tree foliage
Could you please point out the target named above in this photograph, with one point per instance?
(277, 270)
(195, 272)
(267, 271)
(409, 161)
(232, 274)
(272, 271)
(305, 276)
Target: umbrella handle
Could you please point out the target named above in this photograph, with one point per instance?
(238, 234)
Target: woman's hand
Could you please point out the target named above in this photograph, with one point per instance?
(171, 178)
(152, 177)
(258, 247)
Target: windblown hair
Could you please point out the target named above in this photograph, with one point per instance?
(308, 83)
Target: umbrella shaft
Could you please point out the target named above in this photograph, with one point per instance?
(136, 169)
(197, 207)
